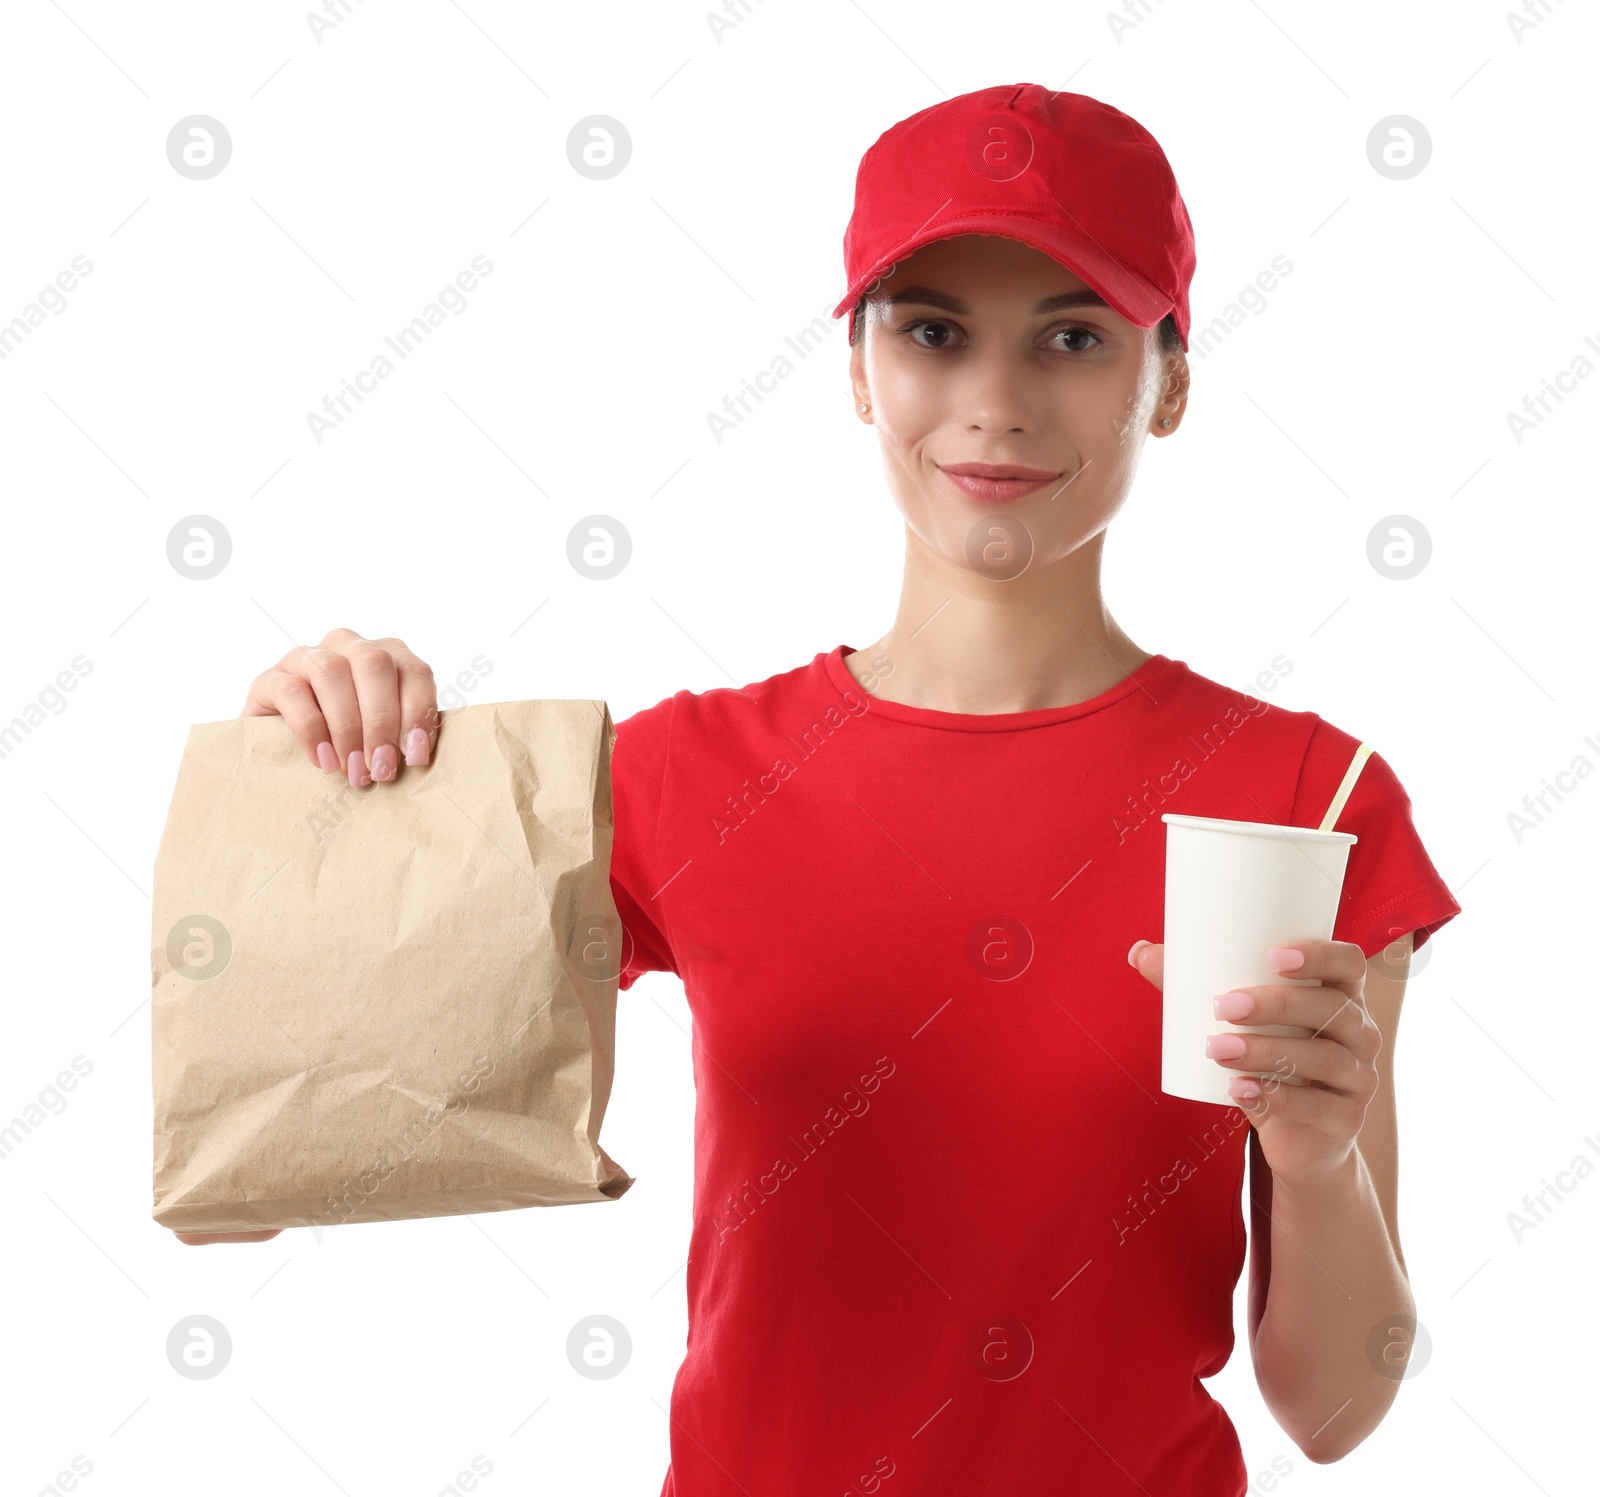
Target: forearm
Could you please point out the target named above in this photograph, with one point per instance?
(1334, 1279)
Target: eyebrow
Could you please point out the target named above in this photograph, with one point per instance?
(926, 296)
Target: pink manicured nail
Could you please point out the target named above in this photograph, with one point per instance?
(1133, 951)
(1234, 1006)
(356, 770)
(1282, 959)
(326, 757)
(417, 746)
(1245, 1086)
(384, 762)
(1225, 1046)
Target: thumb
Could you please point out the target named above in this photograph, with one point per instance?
(1147, 959)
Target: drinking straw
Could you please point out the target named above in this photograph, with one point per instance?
(1346, 785)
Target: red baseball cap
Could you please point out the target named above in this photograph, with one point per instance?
(1076, 179)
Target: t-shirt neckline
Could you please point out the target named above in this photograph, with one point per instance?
(989, 722)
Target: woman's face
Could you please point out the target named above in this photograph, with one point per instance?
(968, 357)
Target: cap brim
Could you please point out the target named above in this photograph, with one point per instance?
(1126, 292)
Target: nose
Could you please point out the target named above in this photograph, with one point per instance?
(995, 397)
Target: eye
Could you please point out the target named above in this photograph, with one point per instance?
(944, 332)
(1075, 332)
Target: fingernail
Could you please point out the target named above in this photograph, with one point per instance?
(1245, 1086)
(1283, 959)
(326, 757)
(1133, 951)
(1233, 1006)
(356, 769)
(1225, 1046)
(385, 764)
(416, 747)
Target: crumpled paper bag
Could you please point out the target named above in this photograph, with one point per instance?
(391, 1002)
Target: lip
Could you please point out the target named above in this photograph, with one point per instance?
(997, 483)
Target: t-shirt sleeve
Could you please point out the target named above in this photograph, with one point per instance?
(638, 775)
(1390, 883)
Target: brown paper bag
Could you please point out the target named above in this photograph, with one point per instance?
(391, 1002)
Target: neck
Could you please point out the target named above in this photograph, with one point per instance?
(962, 642)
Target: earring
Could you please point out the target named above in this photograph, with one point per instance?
(1166, 421)
(861, 408)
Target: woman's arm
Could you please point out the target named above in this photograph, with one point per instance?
(1330, 1307)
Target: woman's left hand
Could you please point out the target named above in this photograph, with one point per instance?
(1307, 1132)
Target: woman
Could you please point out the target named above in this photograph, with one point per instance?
(949, 1235)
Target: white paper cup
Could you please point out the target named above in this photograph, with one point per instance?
(1234, 888)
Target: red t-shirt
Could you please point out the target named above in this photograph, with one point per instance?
(949, 1235)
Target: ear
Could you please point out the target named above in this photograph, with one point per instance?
(1174, 394)
(860, 393)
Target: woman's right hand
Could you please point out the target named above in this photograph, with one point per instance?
(356, 705)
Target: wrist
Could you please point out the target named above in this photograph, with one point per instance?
(1335, 1189)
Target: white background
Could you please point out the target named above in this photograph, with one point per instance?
(367, 171)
